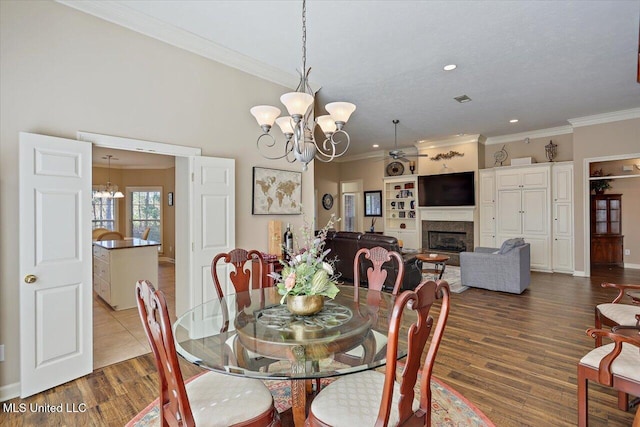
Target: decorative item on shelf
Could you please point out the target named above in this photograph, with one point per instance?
(395, 169)
(397, 187)
(401, 214)
(412, 166)
(373, 224)
(403, 225)
(408, 185)
(412, 214)
(500, 156)
(551, 151)
(309, 272)
(298, 127)
(600, 185)
(449, 155)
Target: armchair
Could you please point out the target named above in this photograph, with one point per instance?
(506, 269)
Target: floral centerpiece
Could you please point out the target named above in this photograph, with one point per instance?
(309, 271)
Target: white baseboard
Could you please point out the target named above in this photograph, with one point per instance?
(579, 274)
(629, 265)
(9, 391)
(166, 259)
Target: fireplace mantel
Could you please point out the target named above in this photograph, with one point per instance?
(450, 213)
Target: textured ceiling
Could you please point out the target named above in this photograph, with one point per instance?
(542, 62)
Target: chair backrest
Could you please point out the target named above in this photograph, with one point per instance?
(240, 277)
(376, 275)
(174, 402)
(420, 300)
(97, 232)
(111, 235)
(145, 233)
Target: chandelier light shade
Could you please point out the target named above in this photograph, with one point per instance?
(298, 127)
(108, 191)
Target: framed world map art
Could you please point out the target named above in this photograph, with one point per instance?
(276, 192)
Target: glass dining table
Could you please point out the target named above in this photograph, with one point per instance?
(251, 334)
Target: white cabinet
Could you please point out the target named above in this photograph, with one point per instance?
(523, 210)
(118, 265)
(562, 195)
(487, 199)
(400, 210)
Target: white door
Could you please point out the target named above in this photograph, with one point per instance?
(535, 212)
(213, 222)
(55, 257)
(509, 212)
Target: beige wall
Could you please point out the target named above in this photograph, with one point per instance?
(371, 172)
(63, 71)
(468, 162)
(327, 181)
(535, 149)
(604, 140)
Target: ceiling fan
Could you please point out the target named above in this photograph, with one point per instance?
(396, 154)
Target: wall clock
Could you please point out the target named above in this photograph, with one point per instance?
(327, 201)
(395, 169)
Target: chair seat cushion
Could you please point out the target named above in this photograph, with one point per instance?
(381, 342)
(622, 314)
(223, 400)
(354, 400)
(625, 365)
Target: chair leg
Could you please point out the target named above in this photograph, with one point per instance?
(623, 401)
(598, 325)
(583, 407)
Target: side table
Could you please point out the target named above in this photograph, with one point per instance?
(439, 263)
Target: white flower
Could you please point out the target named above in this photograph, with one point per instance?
(327, 267)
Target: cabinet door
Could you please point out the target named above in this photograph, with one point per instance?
(508, 180)
(563, 254)
(535, 177)
(488, 240)
(487, 187)
(488, 218)
(562, 184)
(562, 220)
(535, 212)
(509, 212)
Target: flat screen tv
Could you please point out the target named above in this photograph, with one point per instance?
(451, 189)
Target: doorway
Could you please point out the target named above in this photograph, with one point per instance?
(118, 335)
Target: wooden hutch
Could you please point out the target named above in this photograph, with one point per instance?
(606, 230)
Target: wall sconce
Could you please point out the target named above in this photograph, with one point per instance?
(527, 140)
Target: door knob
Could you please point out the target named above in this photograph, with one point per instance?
(30, 278)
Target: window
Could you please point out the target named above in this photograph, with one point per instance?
(103, 212)
(145, 210)
(349, 200)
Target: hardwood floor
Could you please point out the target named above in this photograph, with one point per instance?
(513, 356)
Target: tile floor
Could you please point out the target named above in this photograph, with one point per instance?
(118, 335)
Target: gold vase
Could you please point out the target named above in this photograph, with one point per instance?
(305, 305)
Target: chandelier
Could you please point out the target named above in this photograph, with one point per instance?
(109, 191)
(298, 127)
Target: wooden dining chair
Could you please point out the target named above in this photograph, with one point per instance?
(212, 399)
(241, 279)
(616, 313)
(615, 365)
(376, 257)
(111, 235)
(145, 233)
(97, 232)
(374, 398)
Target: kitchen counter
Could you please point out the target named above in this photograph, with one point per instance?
(125, 244)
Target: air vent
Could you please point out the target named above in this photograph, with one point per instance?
(462, 98)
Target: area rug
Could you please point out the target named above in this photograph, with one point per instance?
(452, 276)
(448, 407)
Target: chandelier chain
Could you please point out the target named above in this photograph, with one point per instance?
(304, 37)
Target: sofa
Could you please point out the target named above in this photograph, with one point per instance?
(505, 269)
(345, 244)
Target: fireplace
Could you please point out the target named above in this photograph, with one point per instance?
(448, 238)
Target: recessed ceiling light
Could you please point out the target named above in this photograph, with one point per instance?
(513, 121)
(376, 145)
(450, 67)
(462, 99)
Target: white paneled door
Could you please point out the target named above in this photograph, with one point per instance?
(55, 261)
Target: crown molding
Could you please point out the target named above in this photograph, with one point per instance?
(452, 140)
(633, 113)
(129, 18)
(373, 155)
(540, 133)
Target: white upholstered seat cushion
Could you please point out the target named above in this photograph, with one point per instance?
(354, 400)
(622, 314)
(381, 342)
(222, 400)
(626, 365)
